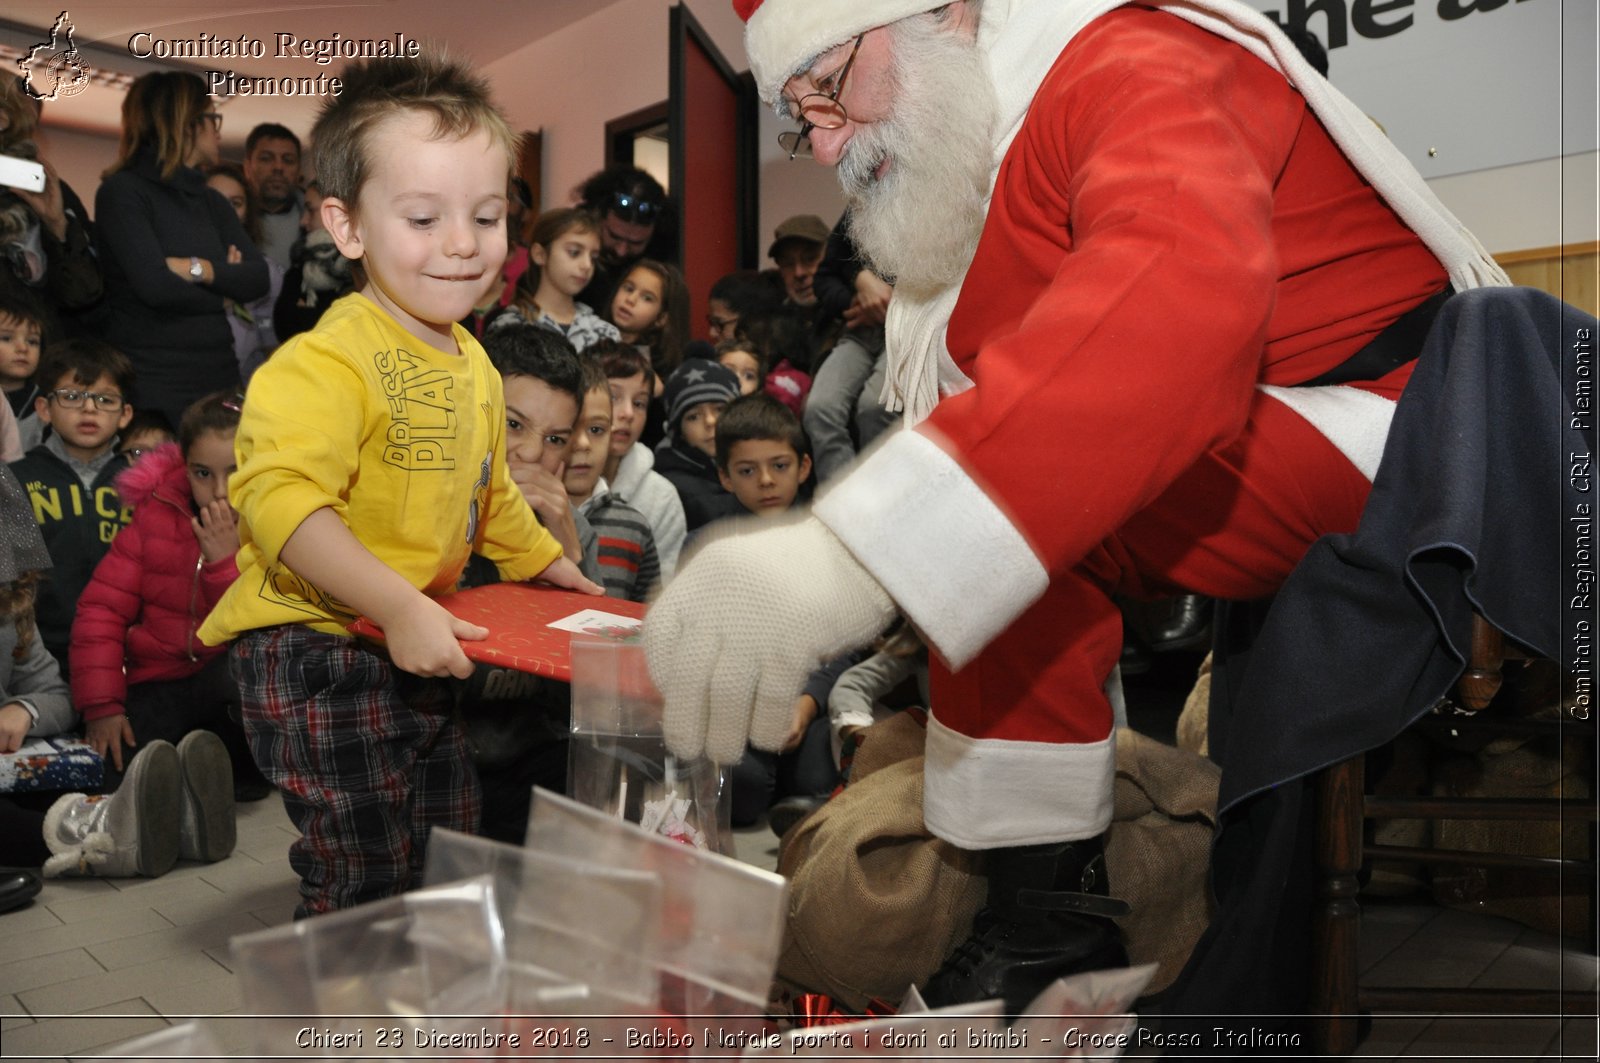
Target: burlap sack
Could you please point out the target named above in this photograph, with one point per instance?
(876, 903)
(1160, 848)
(1194, 722)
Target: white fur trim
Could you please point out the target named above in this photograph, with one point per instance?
(941, 547)
(1356, 422)
(784, 34)
(1021, 40)
(984, 793)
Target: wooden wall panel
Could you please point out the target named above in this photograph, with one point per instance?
(1571, 272)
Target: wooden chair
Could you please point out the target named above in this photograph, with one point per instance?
(1343, 807)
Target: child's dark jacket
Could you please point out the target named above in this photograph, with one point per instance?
(694, 475)
(78, 526)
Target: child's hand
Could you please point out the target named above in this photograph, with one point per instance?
(563, 573)
(423, 641)
(545, 492)
(547, 497)
(805, 710)
(14, 723)
(217, 529)
(108, 734)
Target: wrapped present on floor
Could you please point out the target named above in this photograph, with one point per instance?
(61, 762)
(599, 929)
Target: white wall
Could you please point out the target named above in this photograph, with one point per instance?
(612, 63)
(79, 158)
(615, 62)
(1534, 204)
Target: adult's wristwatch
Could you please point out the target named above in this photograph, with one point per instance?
(195, 270)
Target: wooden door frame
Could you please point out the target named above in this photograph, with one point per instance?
(683, 29)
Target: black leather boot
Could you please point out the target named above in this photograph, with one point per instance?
(1048, 915)
(1187, 627)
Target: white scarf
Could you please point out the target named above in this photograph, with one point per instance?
(1022, 39)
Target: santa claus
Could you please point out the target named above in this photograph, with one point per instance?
(1157, 287)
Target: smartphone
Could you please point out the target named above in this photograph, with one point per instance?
(21, 173)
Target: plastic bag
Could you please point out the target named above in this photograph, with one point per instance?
(587, 931)
(434, 954)
(722, 921)
(618, 761)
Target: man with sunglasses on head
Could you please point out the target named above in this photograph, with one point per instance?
(632, 208)
(1121, 238)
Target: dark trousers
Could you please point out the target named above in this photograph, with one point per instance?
(22, 829)
(171, 708)
(760, 778)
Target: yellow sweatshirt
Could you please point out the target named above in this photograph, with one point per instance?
(404, 442)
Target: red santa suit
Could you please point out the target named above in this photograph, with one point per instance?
(1172, 242)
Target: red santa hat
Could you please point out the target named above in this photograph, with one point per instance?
(782, 36)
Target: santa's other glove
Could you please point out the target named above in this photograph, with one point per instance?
(737, 631)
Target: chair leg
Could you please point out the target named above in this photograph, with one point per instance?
(1336, 924)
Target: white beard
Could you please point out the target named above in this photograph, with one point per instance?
(919, 224)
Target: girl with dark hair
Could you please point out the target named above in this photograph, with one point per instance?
(562, 251)
(651, 311)
(139, 670)
(168, 797)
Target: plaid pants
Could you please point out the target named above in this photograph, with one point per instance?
(369, 759)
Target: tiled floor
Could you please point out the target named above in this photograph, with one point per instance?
(95, 962)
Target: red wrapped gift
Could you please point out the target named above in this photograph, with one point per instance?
(531, 627)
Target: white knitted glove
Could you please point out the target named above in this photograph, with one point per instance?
(731, 640)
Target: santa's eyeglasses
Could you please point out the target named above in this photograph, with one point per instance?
(819, 110)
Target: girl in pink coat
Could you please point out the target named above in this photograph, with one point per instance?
(138, 671)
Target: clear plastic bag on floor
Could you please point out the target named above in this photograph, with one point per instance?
(618, 761)
(435, 954)
(580, 937)
(722, 921)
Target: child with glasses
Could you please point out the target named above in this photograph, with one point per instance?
(144, 434)
(69, 477)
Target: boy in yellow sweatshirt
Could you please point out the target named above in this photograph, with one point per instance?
(372, 464)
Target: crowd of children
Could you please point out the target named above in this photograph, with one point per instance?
(182, 596)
